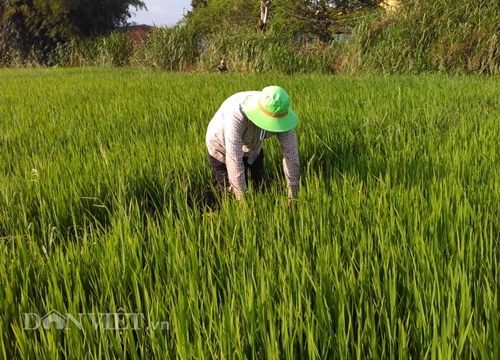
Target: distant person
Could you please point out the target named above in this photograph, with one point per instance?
(222, 66)
(235, 134)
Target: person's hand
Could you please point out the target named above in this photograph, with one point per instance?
(291, 203)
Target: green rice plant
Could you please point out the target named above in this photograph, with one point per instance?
(391, 250)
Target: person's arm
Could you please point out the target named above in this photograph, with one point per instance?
(234, 153)
(288, 143)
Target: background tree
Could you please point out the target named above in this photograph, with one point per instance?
(31, 29)
(211, 16)
(264, 14)
(318, 18)
(197, 3)
(99, 17)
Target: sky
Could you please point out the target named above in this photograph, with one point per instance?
(161, 12)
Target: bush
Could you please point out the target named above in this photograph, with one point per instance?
(432, 36)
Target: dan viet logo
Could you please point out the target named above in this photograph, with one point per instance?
(119, 321)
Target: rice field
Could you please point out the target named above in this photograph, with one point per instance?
(111, 246)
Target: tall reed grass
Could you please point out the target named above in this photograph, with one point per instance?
(173, 49)
(390, 252)
(432, 36)
(112, 50)
(250, 52)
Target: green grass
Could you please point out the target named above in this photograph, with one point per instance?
(390, 253)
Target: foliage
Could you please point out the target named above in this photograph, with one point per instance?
(31, 29)
(217, 15)
(98, 17)
(419, 36)
(115, 49)
(175, 49)
(179, 49)
(424, 36)
(249, 52)
(312, 17)
(323, 18)
(390, 252)
(198, 3)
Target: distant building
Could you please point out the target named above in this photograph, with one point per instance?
(139, 34)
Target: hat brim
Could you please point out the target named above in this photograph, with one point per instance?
(268, 123)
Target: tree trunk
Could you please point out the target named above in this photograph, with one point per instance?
(264, 15)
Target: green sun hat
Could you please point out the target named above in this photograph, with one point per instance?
(271, 110)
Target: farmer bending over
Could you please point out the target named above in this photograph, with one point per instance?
(235, 134)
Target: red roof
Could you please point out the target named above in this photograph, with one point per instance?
(139, 34)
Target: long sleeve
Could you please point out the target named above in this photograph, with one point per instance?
(233, 134)
(291, 168)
